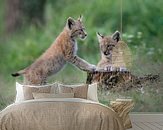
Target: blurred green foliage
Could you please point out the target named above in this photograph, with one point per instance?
(142, 30)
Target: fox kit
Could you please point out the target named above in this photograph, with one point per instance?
(63, 50)
(110, 52)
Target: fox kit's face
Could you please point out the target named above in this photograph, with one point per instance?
(107, 43)
(76, 28)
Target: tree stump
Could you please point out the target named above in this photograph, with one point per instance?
(119, 80)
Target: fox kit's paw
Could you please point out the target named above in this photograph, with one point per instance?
(122, 69)
(92, 68)
(109, 68)
(100, 69)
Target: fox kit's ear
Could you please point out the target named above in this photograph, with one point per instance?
(70, 22)
(116, 36)
(99, 36)
(80, 18)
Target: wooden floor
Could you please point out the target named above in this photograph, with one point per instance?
(147, 121)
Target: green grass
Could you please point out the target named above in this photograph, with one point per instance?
(142, 22)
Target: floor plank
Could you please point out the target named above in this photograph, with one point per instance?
(136, 127)
(148, 121)
(152, 126)
(143, 126)
(158, 125)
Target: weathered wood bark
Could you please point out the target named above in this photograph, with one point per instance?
(19, 12)
(109, 78)
(119, 80)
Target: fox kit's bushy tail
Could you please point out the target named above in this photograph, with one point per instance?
(18, 73)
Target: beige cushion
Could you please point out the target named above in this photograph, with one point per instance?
(24, 92)
(48, 95)
(92, 92)
(19, 93)
(28, 90)
(80, 91)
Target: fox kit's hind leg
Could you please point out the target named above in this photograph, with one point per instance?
(34, 79)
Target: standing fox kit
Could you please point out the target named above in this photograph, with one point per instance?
(107, 45)
(64, 49)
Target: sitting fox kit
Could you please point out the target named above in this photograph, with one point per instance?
(107, 44)
(64, 49)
